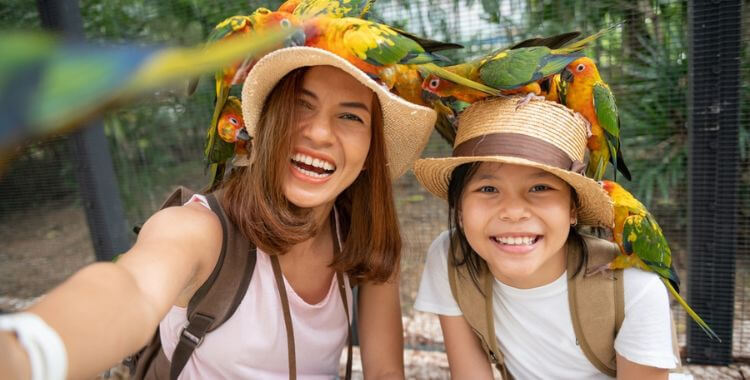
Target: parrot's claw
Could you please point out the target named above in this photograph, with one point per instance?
(526, 99)
(588, 128)
(600, 269)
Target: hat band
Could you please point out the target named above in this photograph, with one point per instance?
(520, 146)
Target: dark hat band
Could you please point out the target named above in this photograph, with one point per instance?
(520, 146)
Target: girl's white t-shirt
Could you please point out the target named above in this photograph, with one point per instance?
(535, 329)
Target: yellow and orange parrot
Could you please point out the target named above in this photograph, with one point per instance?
(368, 45)
(642, 245)
(227, 138)
(584, 91)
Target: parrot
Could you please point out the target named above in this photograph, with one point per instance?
(551, 88)
(50, 85)
(368, 45)
(518, 68)
(585, 92)
(228, 138)
(642, 245)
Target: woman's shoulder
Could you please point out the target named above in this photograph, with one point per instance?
(193, 226)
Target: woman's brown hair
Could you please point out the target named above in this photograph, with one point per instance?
(254, 200)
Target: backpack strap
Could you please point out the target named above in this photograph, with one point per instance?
(291, 351)
(220, 295)
(596, 314)
(476, 306)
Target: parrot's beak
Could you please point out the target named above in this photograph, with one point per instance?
(243, 135)
(429, 96)
(297, 38)
(567, 76)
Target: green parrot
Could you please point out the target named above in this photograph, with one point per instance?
(643, 246)
(517, 68)
(51, 86)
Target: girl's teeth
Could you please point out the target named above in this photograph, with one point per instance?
(516, 240)
(312, 174)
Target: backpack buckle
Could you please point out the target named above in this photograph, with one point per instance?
(191, 337)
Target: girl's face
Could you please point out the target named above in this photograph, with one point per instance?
(331, 140)
(517, 218)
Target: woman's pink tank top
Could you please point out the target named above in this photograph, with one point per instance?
(251, 344)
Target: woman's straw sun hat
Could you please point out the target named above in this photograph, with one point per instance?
(407, 126)
(540, 134)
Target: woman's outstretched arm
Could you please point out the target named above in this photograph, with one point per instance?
(107, 311)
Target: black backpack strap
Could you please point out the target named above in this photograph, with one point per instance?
(220, 295)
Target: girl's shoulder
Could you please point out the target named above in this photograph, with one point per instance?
(641, 286)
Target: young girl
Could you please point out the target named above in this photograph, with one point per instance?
(327, 142)
(515, 196)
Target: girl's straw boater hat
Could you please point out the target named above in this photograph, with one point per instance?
(407, 126)
(541, 134)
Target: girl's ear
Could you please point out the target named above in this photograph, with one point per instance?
(460, 220)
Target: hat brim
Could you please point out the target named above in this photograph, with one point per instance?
(406, 126)
(594, 209)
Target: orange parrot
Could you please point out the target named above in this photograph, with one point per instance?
(584, 91)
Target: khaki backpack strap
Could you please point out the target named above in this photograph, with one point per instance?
(477, 309)
(594, 302)
(220, 295)
(292, 357)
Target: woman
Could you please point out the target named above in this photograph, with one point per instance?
(327, 141)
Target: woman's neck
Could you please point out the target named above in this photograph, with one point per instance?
(321, 239)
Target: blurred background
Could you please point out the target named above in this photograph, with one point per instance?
(696, 183)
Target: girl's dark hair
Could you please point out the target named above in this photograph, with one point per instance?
(460, 249)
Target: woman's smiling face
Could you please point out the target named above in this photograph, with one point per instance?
(517, 218)
(331, 139)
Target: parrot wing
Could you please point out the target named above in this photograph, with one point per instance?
(643, 236)
(609, 119)
(552, 42)
(427, 44)
(512, 69)
(375, 43)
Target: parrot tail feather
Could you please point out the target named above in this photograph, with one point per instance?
(366, 9)
(580, 44)
(703, 325)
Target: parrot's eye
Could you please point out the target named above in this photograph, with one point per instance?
(580, 67)
(234, 121)
(285, 23)
(434, 83)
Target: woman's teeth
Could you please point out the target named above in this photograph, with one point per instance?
(313, 167)
(525, 240)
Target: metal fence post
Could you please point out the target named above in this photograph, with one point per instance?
(713, 172)
(94, 168)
